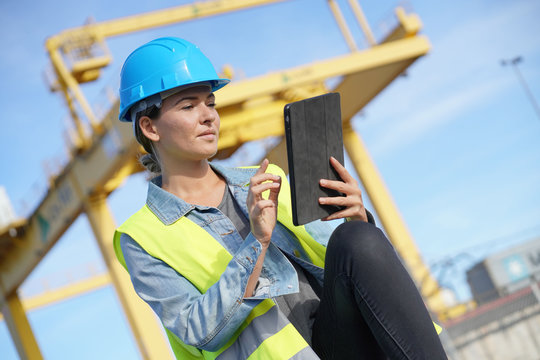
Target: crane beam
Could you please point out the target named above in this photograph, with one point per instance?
(152, 19)
(251, 109)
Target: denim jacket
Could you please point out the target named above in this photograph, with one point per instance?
(208, 320)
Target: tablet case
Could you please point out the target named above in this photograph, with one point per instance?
(313, 132)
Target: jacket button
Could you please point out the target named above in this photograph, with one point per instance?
(296, 253)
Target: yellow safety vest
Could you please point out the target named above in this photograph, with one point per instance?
(201, 259)
(203, 264)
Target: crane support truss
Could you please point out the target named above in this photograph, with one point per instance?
(250, 109)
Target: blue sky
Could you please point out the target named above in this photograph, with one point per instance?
(456, 140)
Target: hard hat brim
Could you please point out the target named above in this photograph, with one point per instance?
(215, 85)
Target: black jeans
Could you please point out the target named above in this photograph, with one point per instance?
(370, 307)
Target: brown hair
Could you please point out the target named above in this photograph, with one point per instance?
(150, 160)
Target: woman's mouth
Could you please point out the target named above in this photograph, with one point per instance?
(208, 135)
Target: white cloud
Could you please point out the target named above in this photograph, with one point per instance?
(410, 128)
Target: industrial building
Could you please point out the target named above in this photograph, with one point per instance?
(506, 322)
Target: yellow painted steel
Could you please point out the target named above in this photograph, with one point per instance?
(71, 84)
(66, 292)
(362, 21)
(19, 328)
(358, 63)
(195, 10)
(88, 69)
(338, 15)
(132, 166)
(80, 140)
(87, 172)
(144, 324)
(410, 25)
(278, 155)
(390, 218)
(250, 109)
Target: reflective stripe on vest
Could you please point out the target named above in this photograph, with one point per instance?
(271, 337)
(266, 333)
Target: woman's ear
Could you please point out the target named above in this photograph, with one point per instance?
(148, 129)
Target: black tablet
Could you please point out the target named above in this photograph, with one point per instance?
(313, 131)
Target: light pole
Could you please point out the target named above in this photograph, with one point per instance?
(514, 64)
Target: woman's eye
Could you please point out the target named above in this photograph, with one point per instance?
(187, 107)
(212, 105)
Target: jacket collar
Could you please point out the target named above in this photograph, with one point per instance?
(169, 208)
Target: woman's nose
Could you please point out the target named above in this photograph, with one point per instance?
(209, 114)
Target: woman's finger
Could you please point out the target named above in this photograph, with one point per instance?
(337, 201)
(343, 173)
(349, 212)
(262, 168)
(353, 212)
(263, 204)
(260, 178)
(335, 185)
(257, 190)
(274, 192)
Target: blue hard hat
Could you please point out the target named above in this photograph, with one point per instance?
(160, 65)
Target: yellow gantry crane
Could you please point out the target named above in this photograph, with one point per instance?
(250, 109)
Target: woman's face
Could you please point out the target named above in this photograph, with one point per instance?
(188, 127)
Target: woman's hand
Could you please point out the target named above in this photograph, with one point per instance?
(263, 213)
(352, 201)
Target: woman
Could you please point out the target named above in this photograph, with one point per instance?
(214, 251)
